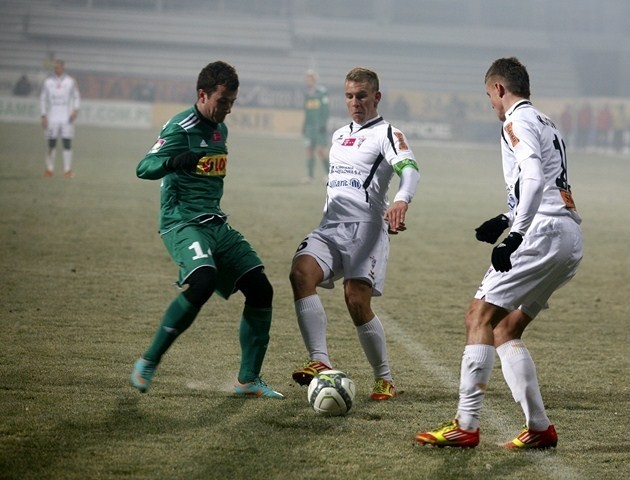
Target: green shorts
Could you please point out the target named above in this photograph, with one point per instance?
(211, 244)
(314, 137)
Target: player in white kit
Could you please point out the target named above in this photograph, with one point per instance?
(59, 102)
(352, 239)
(541, 253)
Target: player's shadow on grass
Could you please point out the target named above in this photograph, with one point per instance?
(128, 420)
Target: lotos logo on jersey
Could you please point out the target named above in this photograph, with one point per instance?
(312, 104)
(212, 165)
(401, 141)
(156, 148)
(510, 131)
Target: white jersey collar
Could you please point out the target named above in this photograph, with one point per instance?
(354, 125)
(521, 103)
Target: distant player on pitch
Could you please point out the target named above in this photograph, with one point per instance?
(59, 103)
(315, 128)
(541, 253)
(351, 240)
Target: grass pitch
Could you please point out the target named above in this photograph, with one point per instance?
(86, 279)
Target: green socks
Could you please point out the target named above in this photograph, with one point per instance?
(178, 317)
(254, 338)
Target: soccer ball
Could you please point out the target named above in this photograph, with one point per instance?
(331, 393)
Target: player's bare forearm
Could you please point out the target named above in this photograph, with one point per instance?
(395, 217)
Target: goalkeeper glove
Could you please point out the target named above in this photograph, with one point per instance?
(501, 253)
(490, 230)
(183, 161)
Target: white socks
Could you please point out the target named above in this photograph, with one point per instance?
(477, 363)
(67, 160)
(520, 375)
(311, 319)
(50, 160)
(372, 339)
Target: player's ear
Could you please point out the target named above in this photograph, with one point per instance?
(501, 90)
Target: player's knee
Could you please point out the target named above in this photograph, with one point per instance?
(67, 143)
(475, 318)
(257, 289)
(201, 284)
(305, 273)
(52, 143)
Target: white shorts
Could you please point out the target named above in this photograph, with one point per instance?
(59, 129)
(353, 251)
(547, 259)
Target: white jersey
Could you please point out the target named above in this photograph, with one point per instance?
(362, 162)
(529, 133)
(59, 98)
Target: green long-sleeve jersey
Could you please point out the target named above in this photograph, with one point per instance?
(188, 195)
(316, 109)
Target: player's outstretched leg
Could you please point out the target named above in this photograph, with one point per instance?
(142, 374)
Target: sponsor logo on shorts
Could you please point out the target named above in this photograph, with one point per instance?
(371, 274)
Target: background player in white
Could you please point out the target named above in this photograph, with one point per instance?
(59, 101)
(540, 254)
(351, 240)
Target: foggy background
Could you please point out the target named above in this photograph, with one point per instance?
(431, 55)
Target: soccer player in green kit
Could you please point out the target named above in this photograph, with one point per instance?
(190, 157)
(316, 137)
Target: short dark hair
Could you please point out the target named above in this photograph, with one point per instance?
(513, 73)
(215, 74)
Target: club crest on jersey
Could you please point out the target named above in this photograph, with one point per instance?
(156, 148)
(212, 165)
(509, 129)
(353, 142)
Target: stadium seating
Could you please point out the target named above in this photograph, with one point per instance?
(269, 49)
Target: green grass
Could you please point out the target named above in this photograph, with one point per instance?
(85, 280)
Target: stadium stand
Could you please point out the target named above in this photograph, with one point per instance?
(270, 42)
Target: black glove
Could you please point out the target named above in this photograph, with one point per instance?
(183, 161)
(490, 230)
(501, 253)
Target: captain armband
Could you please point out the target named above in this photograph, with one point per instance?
(407, 162)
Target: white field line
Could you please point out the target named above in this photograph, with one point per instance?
(499, 421)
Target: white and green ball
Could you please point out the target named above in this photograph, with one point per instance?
(331, 393)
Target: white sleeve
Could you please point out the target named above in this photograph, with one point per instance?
(43, 99)
(76, 97)
(409, 178)
(531, 192)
